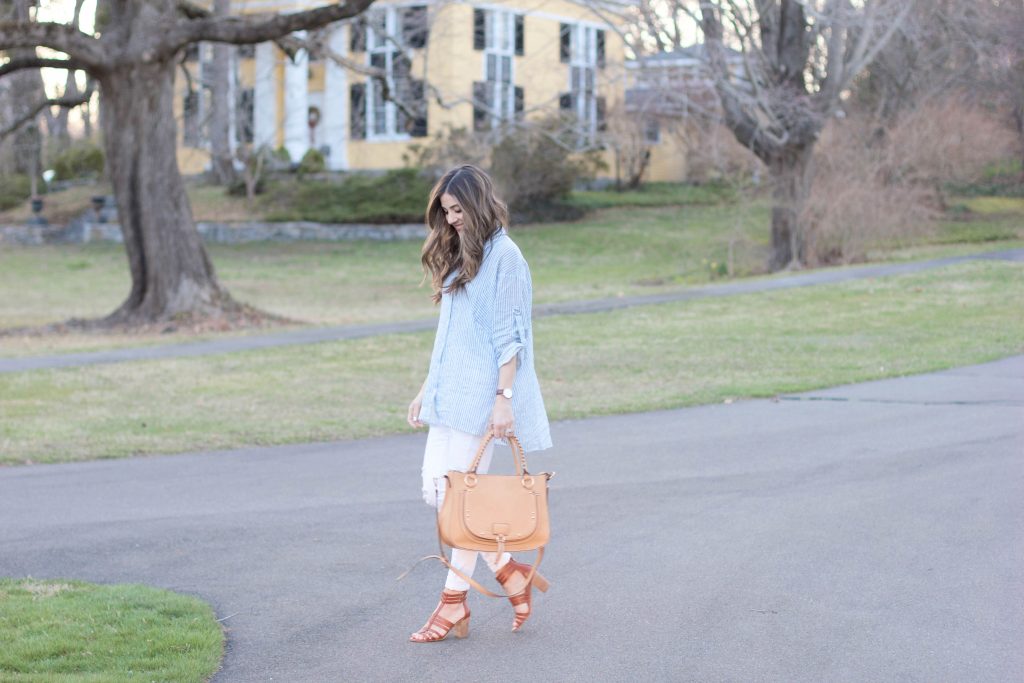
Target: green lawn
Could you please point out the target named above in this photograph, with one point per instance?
(71, 631)
(637, 359)
(348, 282)
(614, 252)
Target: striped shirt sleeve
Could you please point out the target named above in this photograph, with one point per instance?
(509, 329)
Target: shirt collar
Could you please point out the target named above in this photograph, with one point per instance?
(501, 232)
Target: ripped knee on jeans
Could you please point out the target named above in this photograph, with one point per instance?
(434, 497)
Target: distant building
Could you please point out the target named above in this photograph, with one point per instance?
(666, 91)
(457, 64)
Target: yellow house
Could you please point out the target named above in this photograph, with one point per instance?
(451, 64)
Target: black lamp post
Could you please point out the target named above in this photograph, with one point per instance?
(37, 207)
(98, 202)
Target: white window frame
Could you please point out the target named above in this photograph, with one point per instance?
(651, 124)
(500, 46)
(390, 46)
(583, 61)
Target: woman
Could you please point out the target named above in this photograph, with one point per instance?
(481, 378)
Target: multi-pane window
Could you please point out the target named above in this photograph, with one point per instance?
(244, 115)
(383, 35)
(583, 48)
(381, 44)
(196, 102)
(190, 116)
(652, 131)
(496, 99)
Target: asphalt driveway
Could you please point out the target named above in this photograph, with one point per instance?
(868, 532)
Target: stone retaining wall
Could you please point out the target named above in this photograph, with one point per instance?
(81, 231)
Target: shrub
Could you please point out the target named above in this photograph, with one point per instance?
(312, 162)
(82, 160)
(448, 148)
(395, 197)
(555, 211)
(531, 166)
(281, 157)
(14, 190)
(874, 188)
(240, 189)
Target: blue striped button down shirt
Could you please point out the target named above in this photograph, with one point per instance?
(480, 329)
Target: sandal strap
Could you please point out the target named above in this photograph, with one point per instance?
(438, 620)
(523, 599)
(437, 627)
(453, 597)
(508, 569)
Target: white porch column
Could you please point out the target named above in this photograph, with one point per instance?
(264, 120)
(335, 109)
(296, 104)
(233, 100)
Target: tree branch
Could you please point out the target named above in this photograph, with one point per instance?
(40, 63)
(191, 10)
(67, 102)
(61, 37)
(245, 31)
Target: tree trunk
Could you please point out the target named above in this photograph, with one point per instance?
(790, 174)
(220, 106)
(1018, 116)
(172, 276)
(59, 130)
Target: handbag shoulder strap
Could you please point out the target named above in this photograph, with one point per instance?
(442, 557)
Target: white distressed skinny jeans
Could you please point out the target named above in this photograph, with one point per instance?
(449, 449)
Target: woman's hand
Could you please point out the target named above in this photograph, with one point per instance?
(413, 417)
(502, 420)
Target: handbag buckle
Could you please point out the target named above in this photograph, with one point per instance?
(528, 481)
(470, 479)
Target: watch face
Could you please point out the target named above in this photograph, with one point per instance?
(507, 393)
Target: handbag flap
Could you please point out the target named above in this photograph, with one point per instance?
(502, 506)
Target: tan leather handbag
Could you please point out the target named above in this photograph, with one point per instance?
(494, 512)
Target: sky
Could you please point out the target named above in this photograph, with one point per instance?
(63, 11)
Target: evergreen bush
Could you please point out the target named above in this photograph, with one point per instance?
(398, 196)
(312, 162)
(14, 190)
(82, 160)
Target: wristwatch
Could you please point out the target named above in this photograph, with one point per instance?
(506, 392)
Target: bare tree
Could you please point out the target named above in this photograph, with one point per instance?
(949, 50)
(133, 58)
(57, 124)
(942, 48)
(626, 136)
(26, 91)
(799, 57)
(1005, 68)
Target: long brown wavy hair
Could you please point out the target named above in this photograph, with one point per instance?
(483, 215)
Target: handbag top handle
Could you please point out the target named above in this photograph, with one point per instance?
(517, 453)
